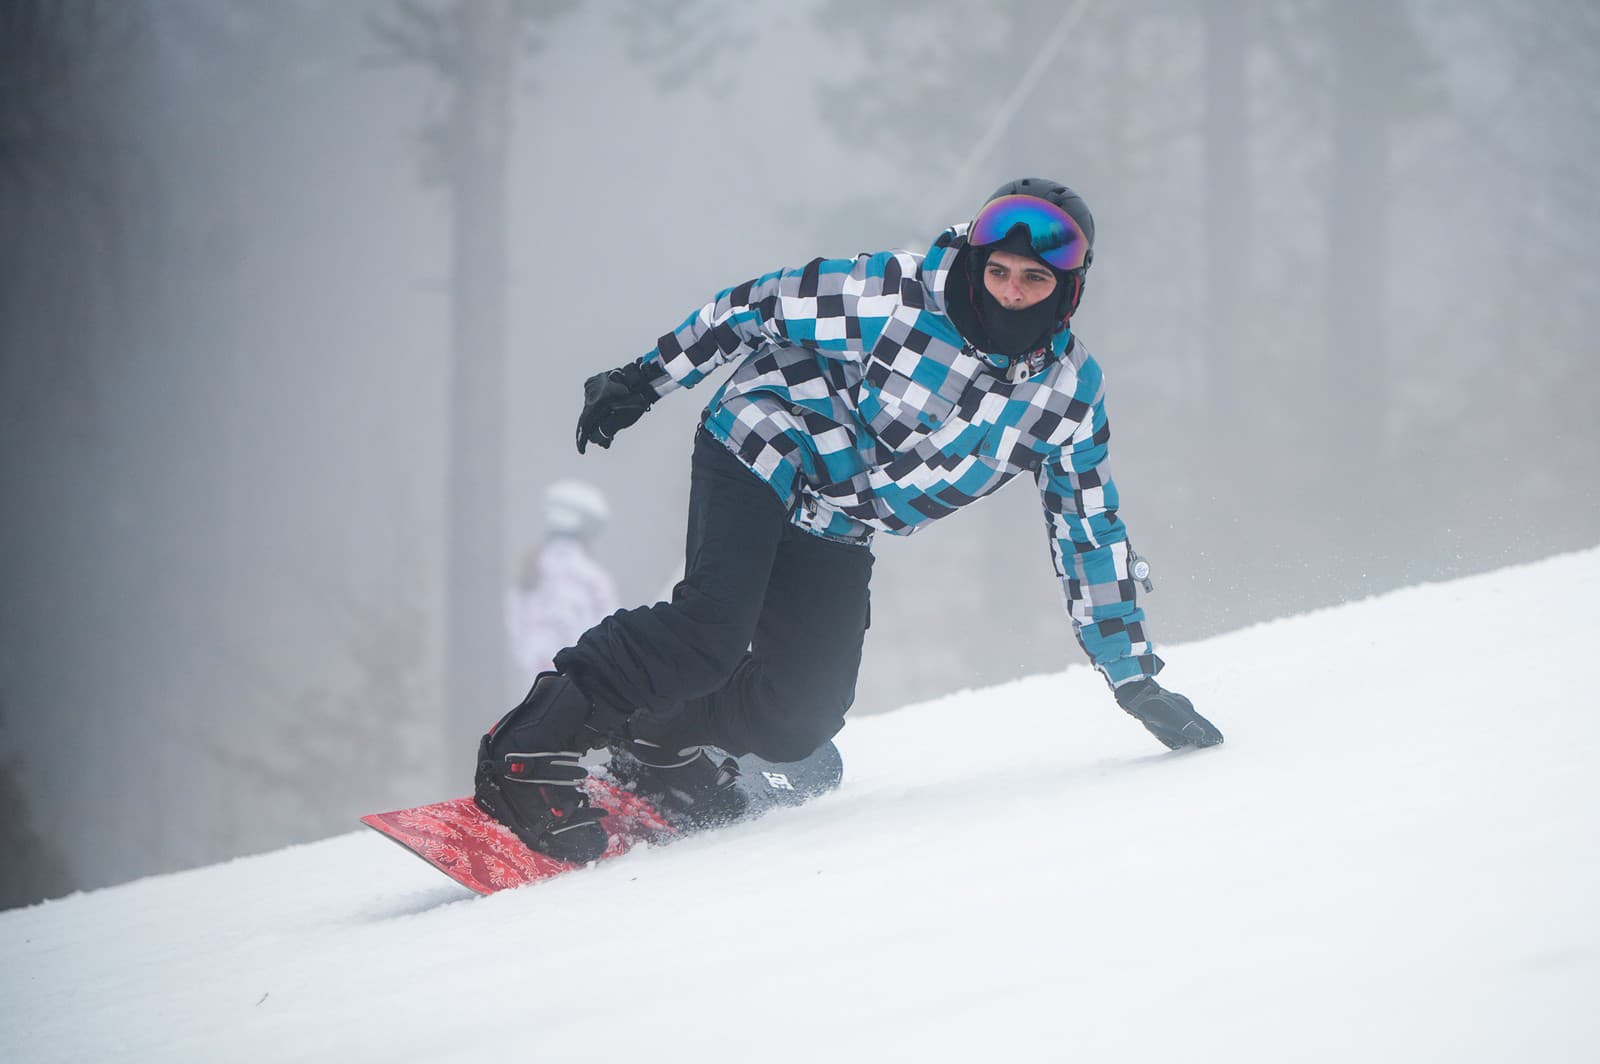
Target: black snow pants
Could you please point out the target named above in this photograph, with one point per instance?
(759, 649)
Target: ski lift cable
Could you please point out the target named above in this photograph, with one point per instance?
(1013, 104)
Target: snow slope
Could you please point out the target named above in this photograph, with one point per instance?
(1394, 858)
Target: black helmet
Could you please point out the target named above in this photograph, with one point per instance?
(1060, 235)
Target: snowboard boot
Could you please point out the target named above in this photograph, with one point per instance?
(1167, 715)
(690, 783)
(529, 777)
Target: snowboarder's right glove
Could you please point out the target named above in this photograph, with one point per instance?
(1167, 715)
(611, 402)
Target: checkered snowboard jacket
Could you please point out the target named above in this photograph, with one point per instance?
(859, 402)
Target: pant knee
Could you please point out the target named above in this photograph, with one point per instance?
(793, 728)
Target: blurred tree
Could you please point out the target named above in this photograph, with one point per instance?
(368, 748)
(1373, 90)
(472, 45)
(69, 193)
(1509, 205)
(266, 128)
(688, 43)
(1346, 78)
(1229, 205)
(1542, 144)
(62, 227)
(151, 343)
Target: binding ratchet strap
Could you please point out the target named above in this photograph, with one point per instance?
(559, 768)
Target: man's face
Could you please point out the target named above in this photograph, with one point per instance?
(1016, 281)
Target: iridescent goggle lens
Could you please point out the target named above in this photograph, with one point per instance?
(1052, 233)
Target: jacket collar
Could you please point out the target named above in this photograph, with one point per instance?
(935, 276)
(937, 262)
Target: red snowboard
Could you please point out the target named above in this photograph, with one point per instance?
(460, 840)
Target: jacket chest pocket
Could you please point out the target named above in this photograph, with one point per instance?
(901, 401)
(897, 407)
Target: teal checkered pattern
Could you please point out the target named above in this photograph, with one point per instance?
(857, 400)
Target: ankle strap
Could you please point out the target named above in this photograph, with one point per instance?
(558, 768)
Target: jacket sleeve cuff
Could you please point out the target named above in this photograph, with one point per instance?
(654, 380)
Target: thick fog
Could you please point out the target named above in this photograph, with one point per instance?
(1346, 258)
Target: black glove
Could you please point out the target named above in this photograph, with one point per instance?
(611, 402)
(1167, 715)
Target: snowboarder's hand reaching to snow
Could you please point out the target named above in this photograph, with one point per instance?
(611, 402)
(1167, 715)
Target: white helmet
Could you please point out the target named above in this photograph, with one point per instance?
(574, 508)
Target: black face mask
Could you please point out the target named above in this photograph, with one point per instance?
(991, 327)
(1016, 332)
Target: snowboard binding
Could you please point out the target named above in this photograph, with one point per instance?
(694, 789)
(529, 775)
(664, 758)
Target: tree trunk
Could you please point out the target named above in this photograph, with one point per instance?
(1228, 199)
(1357, 483)
(1357, 254)
(480, 131)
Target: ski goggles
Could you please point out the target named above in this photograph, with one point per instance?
(1052, 233)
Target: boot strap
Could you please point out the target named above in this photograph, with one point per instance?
(657, 756)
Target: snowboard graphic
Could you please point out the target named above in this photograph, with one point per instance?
(464, 843)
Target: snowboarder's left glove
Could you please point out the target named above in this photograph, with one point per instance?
(611, 402)
(1167, 715)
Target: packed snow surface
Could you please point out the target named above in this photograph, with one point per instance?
(1393, 858)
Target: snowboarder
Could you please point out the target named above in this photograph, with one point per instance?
(562, 590)
(873, 394)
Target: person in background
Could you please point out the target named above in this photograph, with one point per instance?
(870, 395)
(561, 590)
